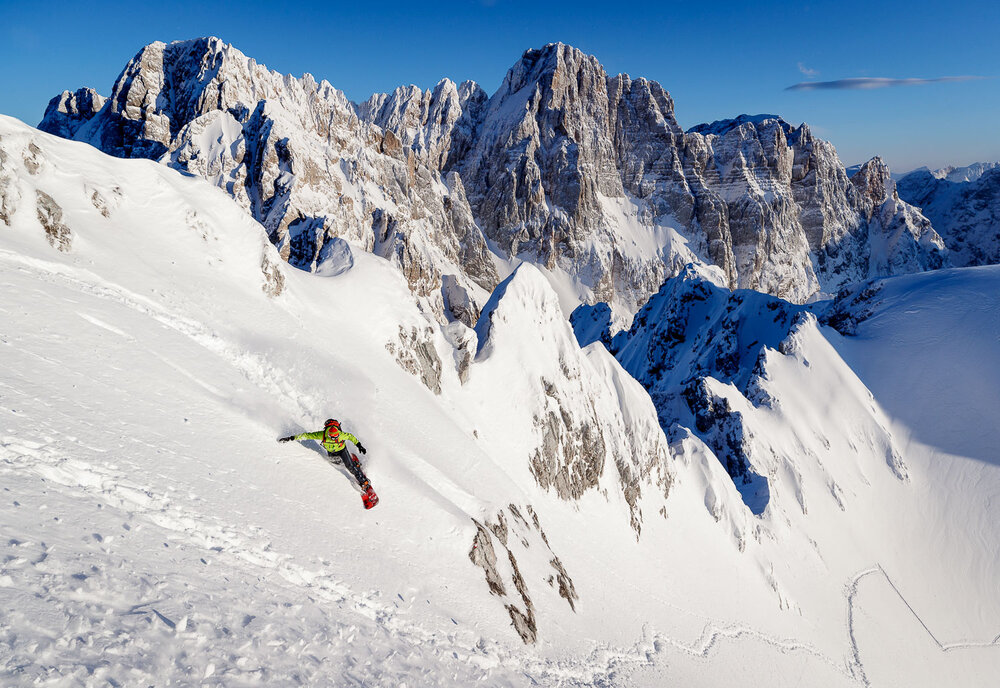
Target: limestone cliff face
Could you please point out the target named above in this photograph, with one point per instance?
(585, 174)
(798, 224)
(900, 239)
(573, 168)
(436, 125)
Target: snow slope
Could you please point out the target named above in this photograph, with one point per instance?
(155, 529)
(154, 346)
(898, 448)
(937, 323)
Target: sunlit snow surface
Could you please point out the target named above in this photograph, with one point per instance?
(153, 532)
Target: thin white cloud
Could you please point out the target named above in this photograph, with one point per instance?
(874, 82)
(808, 72)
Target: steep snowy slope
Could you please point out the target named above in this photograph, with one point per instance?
(155, 529)
(535, 526)
(910, 487)
(937, 323)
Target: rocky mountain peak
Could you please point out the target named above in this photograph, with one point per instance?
(437, 124)
(965, 173)
(70, 110)
(586, 175)
(166, 85)
(874, 181)
(296, 155)
(723, 126)
(554, 63)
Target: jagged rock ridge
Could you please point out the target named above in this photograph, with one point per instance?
(585, 174)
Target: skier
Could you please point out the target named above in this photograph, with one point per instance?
(334, 440)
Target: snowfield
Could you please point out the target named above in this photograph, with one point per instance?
(153, 346)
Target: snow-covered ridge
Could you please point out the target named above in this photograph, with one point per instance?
(784, 402)
(585, 174)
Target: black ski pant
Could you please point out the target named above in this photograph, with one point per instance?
(354, 468)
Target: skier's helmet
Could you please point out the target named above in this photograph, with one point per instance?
(332, 426)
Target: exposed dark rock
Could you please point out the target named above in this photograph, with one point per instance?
(510, 535)
(415, 353)
(50, 214)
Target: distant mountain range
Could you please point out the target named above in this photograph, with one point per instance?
(965, 173)
(585, 174)
(963, 204)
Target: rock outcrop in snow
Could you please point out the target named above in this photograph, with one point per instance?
(585, 174)
(512, 533)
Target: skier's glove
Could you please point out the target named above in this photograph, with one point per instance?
(361, 448)
(287, 439)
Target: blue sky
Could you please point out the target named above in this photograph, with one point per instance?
(717, 59)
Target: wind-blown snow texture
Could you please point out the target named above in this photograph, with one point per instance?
(585, 174)
(155, 345)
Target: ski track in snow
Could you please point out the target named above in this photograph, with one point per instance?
(243, 548)
(713, 635)
(256, 369)
(857, 665)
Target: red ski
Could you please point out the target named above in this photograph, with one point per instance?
(369, 498)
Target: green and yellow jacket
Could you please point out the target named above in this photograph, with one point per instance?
(331, 444)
